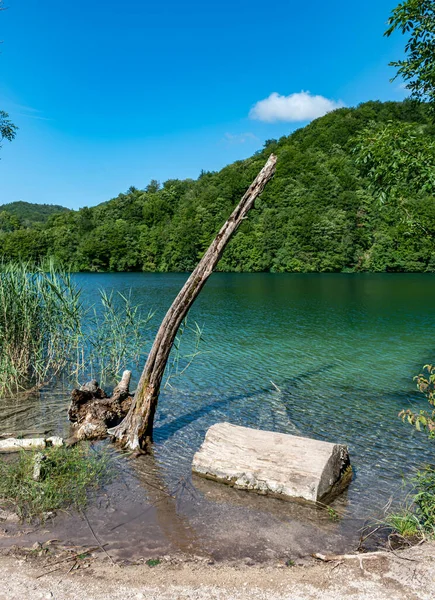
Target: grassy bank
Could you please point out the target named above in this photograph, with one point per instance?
(417, 518)
(67, 476)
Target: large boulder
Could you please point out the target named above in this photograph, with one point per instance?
(276, 464)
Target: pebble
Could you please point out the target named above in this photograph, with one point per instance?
(7, 515)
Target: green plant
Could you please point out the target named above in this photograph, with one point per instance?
(417, 19)
(7, 129)
(424, 498)
(47, 331)
(424, 419)
(112, 337)
(66, 477)
(333, 514)
(397, 158)
(40, 319)
(187, 337)
(417, 518)
(404, 522)
(153, 562)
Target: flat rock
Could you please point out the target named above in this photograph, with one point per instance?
(276, 464)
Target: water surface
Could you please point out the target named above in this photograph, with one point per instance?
(325, 356)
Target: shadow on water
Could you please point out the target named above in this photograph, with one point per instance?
(341, 351)
(164, 432)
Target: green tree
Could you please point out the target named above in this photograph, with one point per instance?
(321, 212)
(398, 159)
(8, 222)
(416, 18)
(7, 129)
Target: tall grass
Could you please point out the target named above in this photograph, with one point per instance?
(47, 330)
(113, 338)
(40, 324)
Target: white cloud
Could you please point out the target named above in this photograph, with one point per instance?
(240, 138)
(301, 106)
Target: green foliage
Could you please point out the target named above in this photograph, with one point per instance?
(404, 522)
(417, 519)
(153, 562)
(416, 18)
(320, 213)
(333, 514)
(8, 221)
(27, 214)
(45, 330)
(424, 498)
(67, 475)
(424, 419)
(398, 158)
(8, 130)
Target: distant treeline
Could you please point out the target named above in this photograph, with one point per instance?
(318, 214)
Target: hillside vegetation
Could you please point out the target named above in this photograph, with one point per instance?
(318, 214)
(26, 214)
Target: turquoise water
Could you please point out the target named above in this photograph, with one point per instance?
(326, 356)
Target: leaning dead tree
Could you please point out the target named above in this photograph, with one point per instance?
(136, 430)
(131, 419)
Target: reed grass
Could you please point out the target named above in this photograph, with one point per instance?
(113, 338)
(48, 331)
(40, 323)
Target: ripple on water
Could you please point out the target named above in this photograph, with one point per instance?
(324, 356)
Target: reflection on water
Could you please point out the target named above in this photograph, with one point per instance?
(325, 356)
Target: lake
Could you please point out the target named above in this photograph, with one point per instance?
(328, 356)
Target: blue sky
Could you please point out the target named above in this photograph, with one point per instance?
(112, 94)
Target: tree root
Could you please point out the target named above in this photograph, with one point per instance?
(91, 412)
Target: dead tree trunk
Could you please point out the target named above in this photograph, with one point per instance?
(136, 430)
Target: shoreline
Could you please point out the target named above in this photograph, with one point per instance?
(404, 575)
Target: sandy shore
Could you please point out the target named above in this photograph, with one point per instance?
(407, 575)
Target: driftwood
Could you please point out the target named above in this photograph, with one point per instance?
(17, 444)
(136, 430)
(360, 556)
(273, 464)
(92, 412)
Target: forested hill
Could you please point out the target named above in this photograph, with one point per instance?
(317, 214)
(26, 214)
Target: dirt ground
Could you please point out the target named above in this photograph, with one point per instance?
(407, 575)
